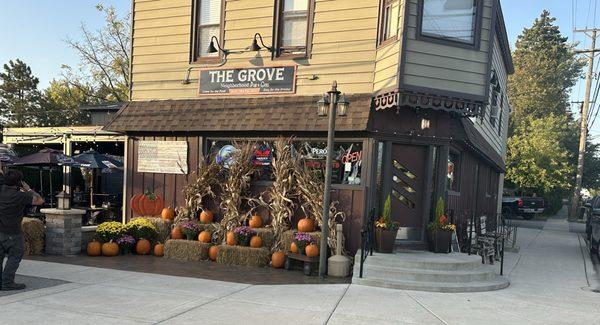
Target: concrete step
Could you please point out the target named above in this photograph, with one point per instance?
(495, 284)
(416, 245)
(482, 273)
(423, 260)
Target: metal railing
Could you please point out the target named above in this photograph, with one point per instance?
(367, 239)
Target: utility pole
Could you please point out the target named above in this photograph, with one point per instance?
(584, 115)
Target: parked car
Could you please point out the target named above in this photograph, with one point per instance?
(524, 206)
(592, 223)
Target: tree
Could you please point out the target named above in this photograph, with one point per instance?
(62, 102)
(104, 59)
(20, 100)
(546, 68)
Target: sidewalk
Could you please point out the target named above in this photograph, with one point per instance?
(547, 278)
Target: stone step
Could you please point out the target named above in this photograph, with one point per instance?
(416, 245)
(423, 260)
(482, 273)
(494, 284)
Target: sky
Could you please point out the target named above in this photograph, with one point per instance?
(35, 30)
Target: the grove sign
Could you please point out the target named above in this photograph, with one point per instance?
(248, 81)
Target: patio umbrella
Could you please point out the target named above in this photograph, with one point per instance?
(94, 160)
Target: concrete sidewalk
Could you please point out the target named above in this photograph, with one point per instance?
(547, 278)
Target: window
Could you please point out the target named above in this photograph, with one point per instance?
(494, 108)
(453, 171)
(500, 109)
(388, 28)
(292, 27)
(453, 20)
(207, 23)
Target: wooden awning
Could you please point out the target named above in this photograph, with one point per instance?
(397, 99)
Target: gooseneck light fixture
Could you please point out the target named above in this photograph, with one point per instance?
(255, 47)
(212, 49)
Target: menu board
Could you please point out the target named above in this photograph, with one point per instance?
(164, 157)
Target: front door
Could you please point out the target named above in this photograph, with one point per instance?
(407, 178)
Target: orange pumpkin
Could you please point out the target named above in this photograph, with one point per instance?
(142, 247)
(159, 250)
(168, 213)
(231, 238)
(135, 203)
(255, 222)
(278, 260)
(256, 242)
(176, 233)
(306, 225)
(212, 252)
(294, 248)
(110, 249)
(312, 250)
(94, 248)
(205, 236)
(147, 204)
(206, 216)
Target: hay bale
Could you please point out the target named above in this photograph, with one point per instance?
(267, 235)
(242, 255)
(288, 237)
(33, 232)
(163, 226)
(186, 250)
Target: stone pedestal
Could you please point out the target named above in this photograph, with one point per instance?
(63, 231)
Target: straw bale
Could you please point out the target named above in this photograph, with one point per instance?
(267, 235)
(288, 237)
(242, 255)
(33, 232)
(186, 250)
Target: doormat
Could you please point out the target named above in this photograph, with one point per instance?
(32, 283)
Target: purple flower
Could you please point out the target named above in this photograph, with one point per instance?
(126, 240)
(244, 231)
(190, 225)
(303, 237)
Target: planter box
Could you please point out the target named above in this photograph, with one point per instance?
(385, 240)
(441, 241)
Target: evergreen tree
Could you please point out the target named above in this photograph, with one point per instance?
(20, 100)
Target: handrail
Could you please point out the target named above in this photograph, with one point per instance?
(366, 234)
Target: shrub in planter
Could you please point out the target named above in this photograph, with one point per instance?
(386, 230)
(243, 235)
(108, 231)
(302, 239)
(126, 244)
(142, 228)
(190, 229)
(440, 230)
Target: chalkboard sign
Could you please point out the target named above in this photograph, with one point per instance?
(455, 245)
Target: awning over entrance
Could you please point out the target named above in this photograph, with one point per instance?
(284, 113)
(476, 141)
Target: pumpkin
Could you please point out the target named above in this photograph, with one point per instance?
(205, 236)
(159, 250)
(255, 222)
(255, 242)
(230, 238)
(312, 250)
(147, 204)
(135, 204)
(142, 247)
(176, 233)
(206, 216)
(168, 213)
(94, 248)
(278, 260)
(306, 225)
(294, 248)
(110, 249)
(212, 252)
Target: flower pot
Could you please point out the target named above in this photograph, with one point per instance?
(441, 241)
(385, 240)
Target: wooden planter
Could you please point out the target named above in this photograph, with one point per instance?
(385, 240)
(441, 241)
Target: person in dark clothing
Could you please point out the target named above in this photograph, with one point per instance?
(14, 196)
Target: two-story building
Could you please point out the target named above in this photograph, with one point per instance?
(426, 81)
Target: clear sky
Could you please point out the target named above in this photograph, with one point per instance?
(34, 30)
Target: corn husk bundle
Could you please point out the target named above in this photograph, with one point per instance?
(33, 233)
(186, 250)
(244, 256)
(236, 187)
(311, 189)
(202, 184)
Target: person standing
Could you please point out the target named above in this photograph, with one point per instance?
(15, 195)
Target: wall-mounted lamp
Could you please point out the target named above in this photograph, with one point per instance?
(255, 47)
(425, 123)
(212, 49)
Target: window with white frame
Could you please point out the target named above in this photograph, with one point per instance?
(453, 20)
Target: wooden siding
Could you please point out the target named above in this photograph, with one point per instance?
(388, 56)
(344, 45)
(443, 67)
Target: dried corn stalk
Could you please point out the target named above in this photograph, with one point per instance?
(202, 184)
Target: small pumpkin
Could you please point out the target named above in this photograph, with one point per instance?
(312, 250)
(142, 247)
(212, 252)
(255, 222)
(231, 238)
(168, 214)
(176, 233)
(94, 248)
(159, 250)
(205, 236)
(294, 248)
(306, 225)
(256, 242)
(206, 216)
(110, 249)
(278, 260)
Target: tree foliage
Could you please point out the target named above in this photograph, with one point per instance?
(20, 99)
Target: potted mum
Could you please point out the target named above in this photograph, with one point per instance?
(386, 230)
(243, 235)
(440, 230)
(302, 240)
(126, 244)
(191, 230)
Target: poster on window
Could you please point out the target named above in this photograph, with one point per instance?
(248, 81)
(164, 157)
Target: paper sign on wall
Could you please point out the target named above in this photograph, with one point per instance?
(164, 157)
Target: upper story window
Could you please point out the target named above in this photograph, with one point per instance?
(208, 17)
(388, 23)
(293, 22)
(451, 20)
(500, 110)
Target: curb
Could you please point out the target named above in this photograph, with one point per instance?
(590, 272)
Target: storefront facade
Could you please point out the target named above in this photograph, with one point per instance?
(428, 112)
